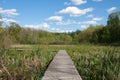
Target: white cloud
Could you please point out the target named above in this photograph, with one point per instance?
(74, 11)
(6, 20)
(97, 19)
(68, 22)
(54, 29)
(89, 22)
(93, 21)
(9, 12)
(79, 2)
(55, 18)
(110, 10)
(65, 31)
(43, 26)
(89, 16)
(84, 26)
(67, 3)
(97, 0)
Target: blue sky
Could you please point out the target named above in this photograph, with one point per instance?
(57, 15)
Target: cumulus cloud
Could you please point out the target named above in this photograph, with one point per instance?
(78, 2)
(66, 31)
(84, 26)
(67, 3)
(97, 0)
(110, 10)
(9, 12)
(6, 20)
(55, 18)
(89, 22)
(97, 19)
(89, 16)
(43, 26)
(93, 21)
(54, 29)
(74, 11)
(68, 22)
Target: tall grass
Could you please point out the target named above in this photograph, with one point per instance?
(92, 62)
(97, 63)
(24, 65)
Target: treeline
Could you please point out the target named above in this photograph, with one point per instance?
(107, 34)
(15, 34)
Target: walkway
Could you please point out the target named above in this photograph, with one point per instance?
(61, 68)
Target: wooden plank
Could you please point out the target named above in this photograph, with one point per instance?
(61, 68)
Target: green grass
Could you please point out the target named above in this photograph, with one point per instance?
(92, 62)
(97, 63)
(24, 65)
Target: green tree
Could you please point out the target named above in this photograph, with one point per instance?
(86, 35)
(75, 36)
(14, 30)
(113, 24)
(1, 21)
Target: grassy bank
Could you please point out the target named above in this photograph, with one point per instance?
(92, 62)
(24, 65)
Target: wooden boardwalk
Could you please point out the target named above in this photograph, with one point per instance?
(61, 68)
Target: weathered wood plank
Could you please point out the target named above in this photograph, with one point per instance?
(61, 68)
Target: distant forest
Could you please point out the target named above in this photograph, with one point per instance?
(99, 34)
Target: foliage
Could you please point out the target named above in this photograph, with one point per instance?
(15, 34)
(113, 25)
(96, 63)
(92, 62)
(24, 65)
